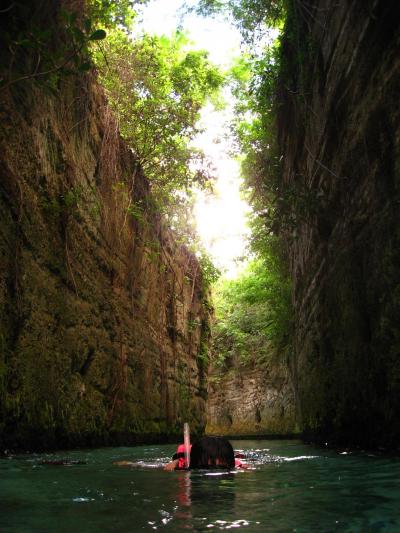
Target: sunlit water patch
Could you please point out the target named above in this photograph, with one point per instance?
(288, 487)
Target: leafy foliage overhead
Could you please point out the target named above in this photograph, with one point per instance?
(252, 16)
(157, 88)
(114, 14)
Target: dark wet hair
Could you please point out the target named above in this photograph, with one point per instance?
(212, 452)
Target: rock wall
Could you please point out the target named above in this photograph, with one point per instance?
(103, 322)
(339, 133)
(245, 400)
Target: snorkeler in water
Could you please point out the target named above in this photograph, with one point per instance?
(205, 453)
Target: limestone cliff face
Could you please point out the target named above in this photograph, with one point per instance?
(339, 128)
(103, 325)
(245, 400)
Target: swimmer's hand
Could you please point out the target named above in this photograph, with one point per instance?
(124, 463)
(172, 465)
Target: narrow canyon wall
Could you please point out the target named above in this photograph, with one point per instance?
(339, 133)
(103, 322)
(245, 400)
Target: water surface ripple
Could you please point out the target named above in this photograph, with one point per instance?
(290, 487)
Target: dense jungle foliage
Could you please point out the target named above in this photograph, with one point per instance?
(253, 312)
(157, 87)
(253, 319)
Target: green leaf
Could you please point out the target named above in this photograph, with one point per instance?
(98, 35)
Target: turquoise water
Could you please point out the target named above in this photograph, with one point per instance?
(290, 487)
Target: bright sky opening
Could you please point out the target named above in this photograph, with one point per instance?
(221, 218)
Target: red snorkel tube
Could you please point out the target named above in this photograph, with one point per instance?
(186, 443)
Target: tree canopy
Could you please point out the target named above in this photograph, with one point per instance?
(157, 87)
(251, 16)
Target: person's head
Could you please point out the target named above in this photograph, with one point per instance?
(212, 452)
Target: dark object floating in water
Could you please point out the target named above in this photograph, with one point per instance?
(62, 462)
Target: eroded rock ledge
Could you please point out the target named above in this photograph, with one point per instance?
(244, 400)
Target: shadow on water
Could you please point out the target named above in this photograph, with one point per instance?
(288, 487)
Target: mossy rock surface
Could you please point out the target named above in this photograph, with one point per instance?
(86, 354)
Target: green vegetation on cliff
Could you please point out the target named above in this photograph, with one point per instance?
(253, 312)
(157, 87)
(253, 320)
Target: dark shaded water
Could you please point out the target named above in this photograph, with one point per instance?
(292, 487)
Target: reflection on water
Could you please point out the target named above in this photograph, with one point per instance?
(288, 487)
